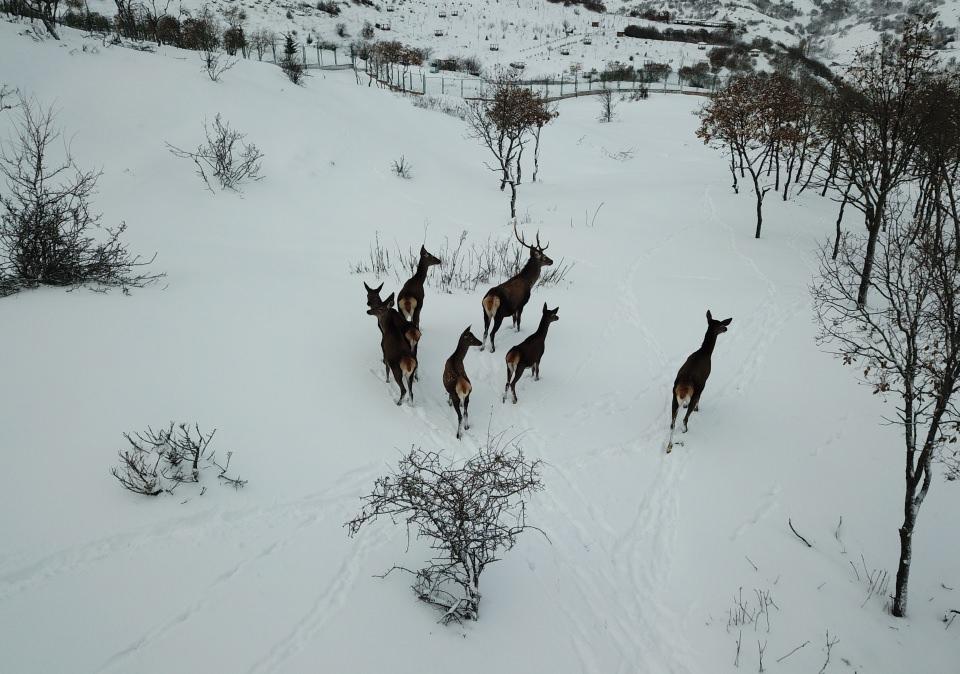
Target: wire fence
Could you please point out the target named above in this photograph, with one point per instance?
(418, 81)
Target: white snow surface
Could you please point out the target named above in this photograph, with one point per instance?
(259, 330)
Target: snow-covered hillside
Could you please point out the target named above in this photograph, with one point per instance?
(259, 329)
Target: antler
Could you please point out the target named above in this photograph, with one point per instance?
(541, 248)
(517, 234)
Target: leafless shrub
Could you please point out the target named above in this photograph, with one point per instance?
(158, 462)
(828, 647)
(447, 106)
(46, 223)
(608, 106)
(402, 168)
(225, 156)
(747, 612)
(261, 40)
(471, 512)
(876, 580)
(216, 64)
(463, 266)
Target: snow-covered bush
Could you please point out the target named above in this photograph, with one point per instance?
(47, 222)
(471, 512)
(402, 168)
(225, 155)
(157, 462)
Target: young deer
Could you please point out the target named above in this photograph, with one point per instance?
(692, 377)
(510, 297)
(456, 381)
(410, 297)
(398, 342)
(528, 353)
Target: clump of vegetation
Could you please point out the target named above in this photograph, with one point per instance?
(225, 156)
(48, 228)
(471, 512)
(158, 462)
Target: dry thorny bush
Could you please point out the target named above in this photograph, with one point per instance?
(159, 461)
(464, 266)
(229, 159)
(471, 512)
(48, 229)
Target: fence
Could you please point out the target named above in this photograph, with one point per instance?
(415, 80)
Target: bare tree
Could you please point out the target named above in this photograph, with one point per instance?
(752, 118)
(7, 96)
(47, 11)
(608, 106)
(884, 103)
(261, 40)
(471, 512)
(47, 224)
(225, 155)
(908, 345)
(503, 119)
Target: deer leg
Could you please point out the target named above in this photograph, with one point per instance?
(416, 374)
(456, 407)
(510, 370)
(536, 371)
(690, 409)
(410, 380)
(398, 376)
(497, 320)
(386, 372)
(516, 319)
(516, 378)
(466, 412)
(674, 405)
(486, 329)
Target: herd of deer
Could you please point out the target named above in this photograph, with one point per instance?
(400, 337)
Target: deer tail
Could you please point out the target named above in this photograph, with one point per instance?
(407, 306)
(683, 393)
(407, 365)
(491, 303)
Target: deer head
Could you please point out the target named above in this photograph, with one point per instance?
(382, 308)
(467, 337)
(536, 250)
(373, 295)
(715, 327)
(426, 259)
(550, 315)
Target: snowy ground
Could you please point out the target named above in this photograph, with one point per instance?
(259, 330)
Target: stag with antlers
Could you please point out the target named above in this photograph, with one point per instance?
(510, 297)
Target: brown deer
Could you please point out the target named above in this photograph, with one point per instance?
(510, 297)
(693, 374)
(398, 341)
(456, 381)
(528, 353)
(410, 297)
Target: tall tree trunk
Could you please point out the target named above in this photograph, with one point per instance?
(874, 218)
(906, 552)
(836, 242)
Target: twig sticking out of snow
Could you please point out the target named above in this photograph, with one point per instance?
(782, 658)
(830, 643)
(795, 533)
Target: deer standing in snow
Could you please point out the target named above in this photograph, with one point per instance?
(456, 381)
(410, 297)
(528, 353)
(693, 374)
(510, 297)
(398, 342)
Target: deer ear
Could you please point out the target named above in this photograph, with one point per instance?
(389, 300)
(545, 310)
(709, 315)
(369, 289)
(423, 249)
(379, 288)
(727, 322)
